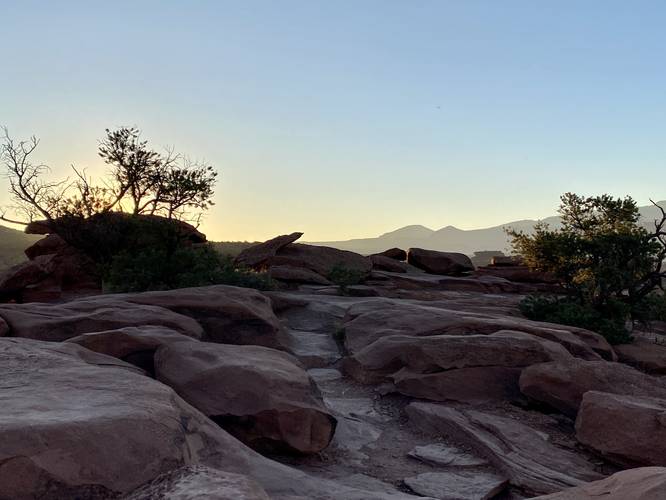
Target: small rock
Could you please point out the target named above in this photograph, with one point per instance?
(457, 485)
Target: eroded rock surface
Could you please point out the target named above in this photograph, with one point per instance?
(524, 455)
(561, 385)
(258, 394)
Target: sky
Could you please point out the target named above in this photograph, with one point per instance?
(351, 118)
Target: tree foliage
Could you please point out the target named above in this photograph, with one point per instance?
(604, 258)
(140, 181)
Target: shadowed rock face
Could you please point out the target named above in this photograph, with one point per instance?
(369, 321)
(259, 256)
(77, 424)
(198, 482)
(435, 262)
(448, 367)
(645, 483)
(627, 430)
(525, 456)
(561, 385)
(260, 395)
(393, 253)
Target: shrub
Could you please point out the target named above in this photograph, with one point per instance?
(163, 269)
(568, 312)
(608, 264)
(345, 277)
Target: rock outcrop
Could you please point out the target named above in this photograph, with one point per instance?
(369, 321)
(525, 456)
(447, 263)
(627, 430)
(393, 253)
(258, 394)
(644, 483)
(562, 384)
(449, 367)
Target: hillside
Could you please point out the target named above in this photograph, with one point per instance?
(453, 239)
(12, 244)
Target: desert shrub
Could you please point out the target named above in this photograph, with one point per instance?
(161, 268)
(565, 311)
(608, 264)
(345, 277)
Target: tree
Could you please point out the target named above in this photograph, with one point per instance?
(604, 258)
(140, 178)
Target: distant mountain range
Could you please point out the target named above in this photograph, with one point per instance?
(452, 239)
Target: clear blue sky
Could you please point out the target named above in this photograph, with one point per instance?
(352, 118)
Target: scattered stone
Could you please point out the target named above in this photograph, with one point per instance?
(198, 482)
(457, 485)
(447, 263)
(562, 384)
(258, 394)
(627, 430)
(520, 453)
(645, 483)
(445, 455)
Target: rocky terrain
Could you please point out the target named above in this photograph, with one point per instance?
(423, 381)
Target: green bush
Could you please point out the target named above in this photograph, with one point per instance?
(610, 323)
(164, 269)
(345, 277)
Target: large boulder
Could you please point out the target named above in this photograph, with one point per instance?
(260, 395)
(228, 314)
(525, 456)
(643, 483)
(448, 367)
(291, 274)
(58, 322)
(431, 261)
(77, 424)
(368, 321)
(625, 429)
(643, 354)
(134, 344)
(259, 256)
(320, 259)
(383, 263)
(393, 253)
(562, 384)
(198, 482)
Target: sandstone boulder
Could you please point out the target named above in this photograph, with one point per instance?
(259, 256)
(448, 367)
(297, 275)
(134, 344)
(383, 263)
(431, 261)
(228, 314)
(51, 244)
(368, 321)
(518, 452)
(393, 253)
(320, 259)
(643, 354)
(57, 322)
(644, 483)
(78, 424)
(562, 384)
(627, 430)
(199, 482)
(260, 395)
